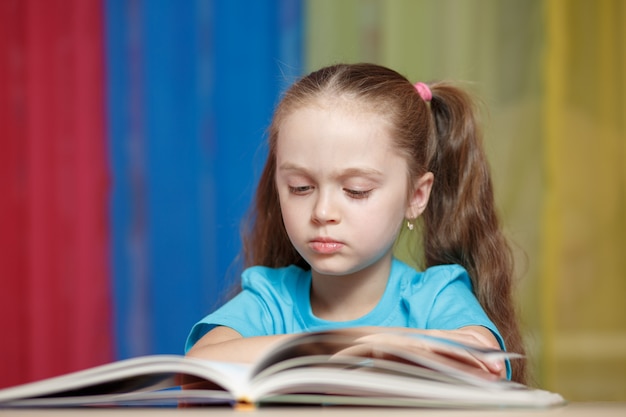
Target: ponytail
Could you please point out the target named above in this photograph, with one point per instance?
(460, 222)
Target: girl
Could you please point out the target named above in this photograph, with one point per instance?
(354, 152)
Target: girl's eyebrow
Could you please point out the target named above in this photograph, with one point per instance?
(346, 173)
(288, 166)
(360, 172)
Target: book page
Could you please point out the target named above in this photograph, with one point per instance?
(136, 375)
(428, 356)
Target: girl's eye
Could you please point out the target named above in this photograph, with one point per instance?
(300, 190)
(358, 193)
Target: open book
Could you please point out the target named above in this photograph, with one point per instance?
(337, 367)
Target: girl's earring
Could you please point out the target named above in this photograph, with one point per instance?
(409, 225)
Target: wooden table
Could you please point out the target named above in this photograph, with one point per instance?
(570, 410)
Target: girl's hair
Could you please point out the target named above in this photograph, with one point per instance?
(460, 222)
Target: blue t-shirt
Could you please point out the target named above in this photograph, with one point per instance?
(276, 301)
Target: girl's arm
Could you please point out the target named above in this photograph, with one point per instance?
(478, 336)
(224, 343)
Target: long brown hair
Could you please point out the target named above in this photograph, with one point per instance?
(460, 223)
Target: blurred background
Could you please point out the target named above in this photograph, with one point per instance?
(132, 135)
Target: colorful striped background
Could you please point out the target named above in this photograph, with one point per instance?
(131, 137)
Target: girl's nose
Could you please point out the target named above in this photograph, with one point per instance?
(325, 210)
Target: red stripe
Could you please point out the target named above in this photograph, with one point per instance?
(92, 187)
(61, 277)
(12, 193)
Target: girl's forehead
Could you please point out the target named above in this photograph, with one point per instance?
(337, 121)
(334, 135)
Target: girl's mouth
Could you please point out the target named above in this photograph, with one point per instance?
(325, 246)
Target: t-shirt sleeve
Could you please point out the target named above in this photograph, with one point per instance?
(250, 313)
(447, 291)
(444, 299)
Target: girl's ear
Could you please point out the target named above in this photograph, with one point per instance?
(420, 195)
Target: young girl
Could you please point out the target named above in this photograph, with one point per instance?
(356, 152)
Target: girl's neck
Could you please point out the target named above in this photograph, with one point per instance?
(349, 297)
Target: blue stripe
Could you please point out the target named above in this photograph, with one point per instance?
(191, 89)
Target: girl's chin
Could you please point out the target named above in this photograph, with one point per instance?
(336, 269)
(342, 266)
(328, 268)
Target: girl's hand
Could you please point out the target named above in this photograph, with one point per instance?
(476, 336)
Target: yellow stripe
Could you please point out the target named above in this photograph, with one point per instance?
(556, 48)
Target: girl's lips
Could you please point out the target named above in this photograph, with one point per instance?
(325, 246)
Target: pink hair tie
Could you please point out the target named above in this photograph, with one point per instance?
(424, 91)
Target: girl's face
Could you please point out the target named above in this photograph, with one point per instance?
(343, 189)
